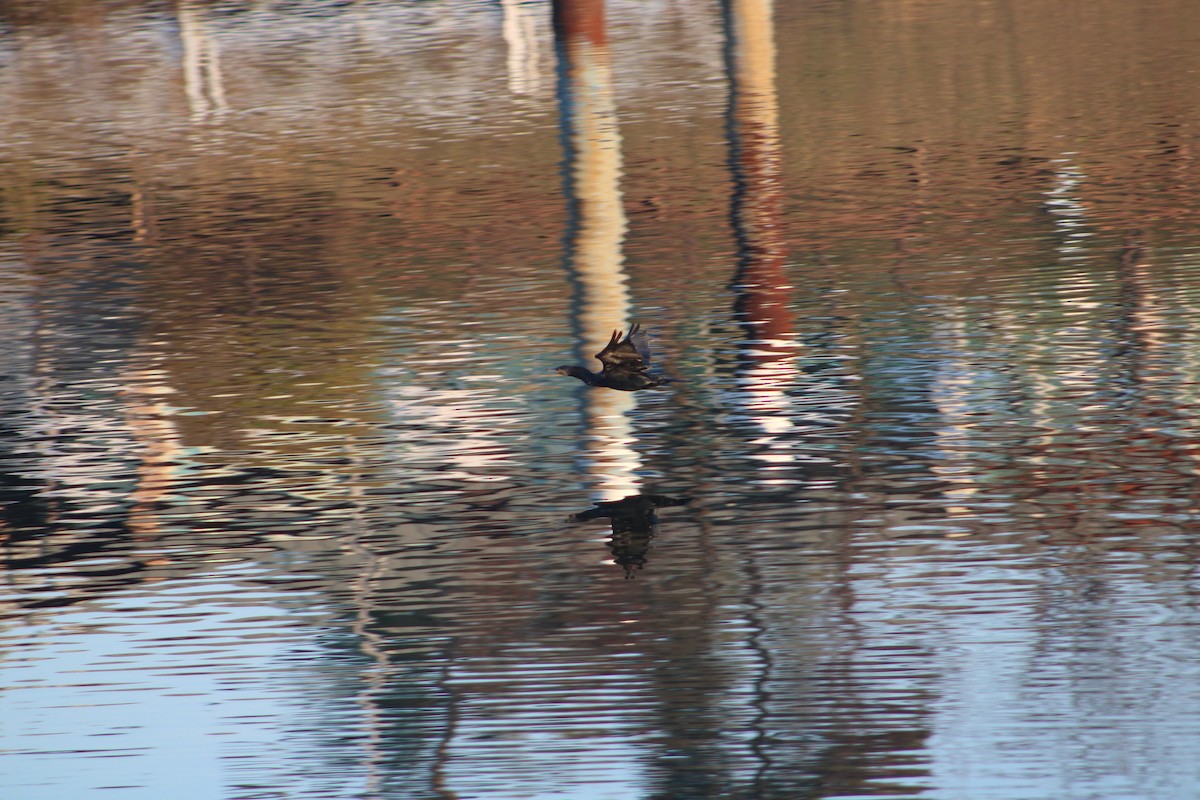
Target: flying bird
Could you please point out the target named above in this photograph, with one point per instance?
(626, 364)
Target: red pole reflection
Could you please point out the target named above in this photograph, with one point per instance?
(762, 289)
(767, 367)
(576, 20)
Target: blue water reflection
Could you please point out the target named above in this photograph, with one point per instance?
(165, 689)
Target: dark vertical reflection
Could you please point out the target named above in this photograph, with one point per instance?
(766, 359)
(596, 232)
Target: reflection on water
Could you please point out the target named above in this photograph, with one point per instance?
(634, 521)
(294, 505)
(596, 233)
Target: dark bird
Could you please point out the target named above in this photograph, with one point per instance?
(634, 523)
(626, 363)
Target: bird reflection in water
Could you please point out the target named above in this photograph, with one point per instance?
(626, 364)
(634, 523)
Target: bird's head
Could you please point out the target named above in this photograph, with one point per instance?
(576, 371)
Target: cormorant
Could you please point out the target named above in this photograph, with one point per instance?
(625, 361)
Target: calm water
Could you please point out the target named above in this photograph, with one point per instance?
(295, 507)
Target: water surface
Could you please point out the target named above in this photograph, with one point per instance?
(294, 505)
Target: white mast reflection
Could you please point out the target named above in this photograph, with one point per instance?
(162, 457)
(520, 34)
(1072, 363)
(202, 79)
(598, 224)
(763, 293)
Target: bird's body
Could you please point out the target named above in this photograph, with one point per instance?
(626, 364)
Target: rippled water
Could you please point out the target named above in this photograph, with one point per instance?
(295, 505)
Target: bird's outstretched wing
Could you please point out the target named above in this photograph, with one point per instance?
(630, 354)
